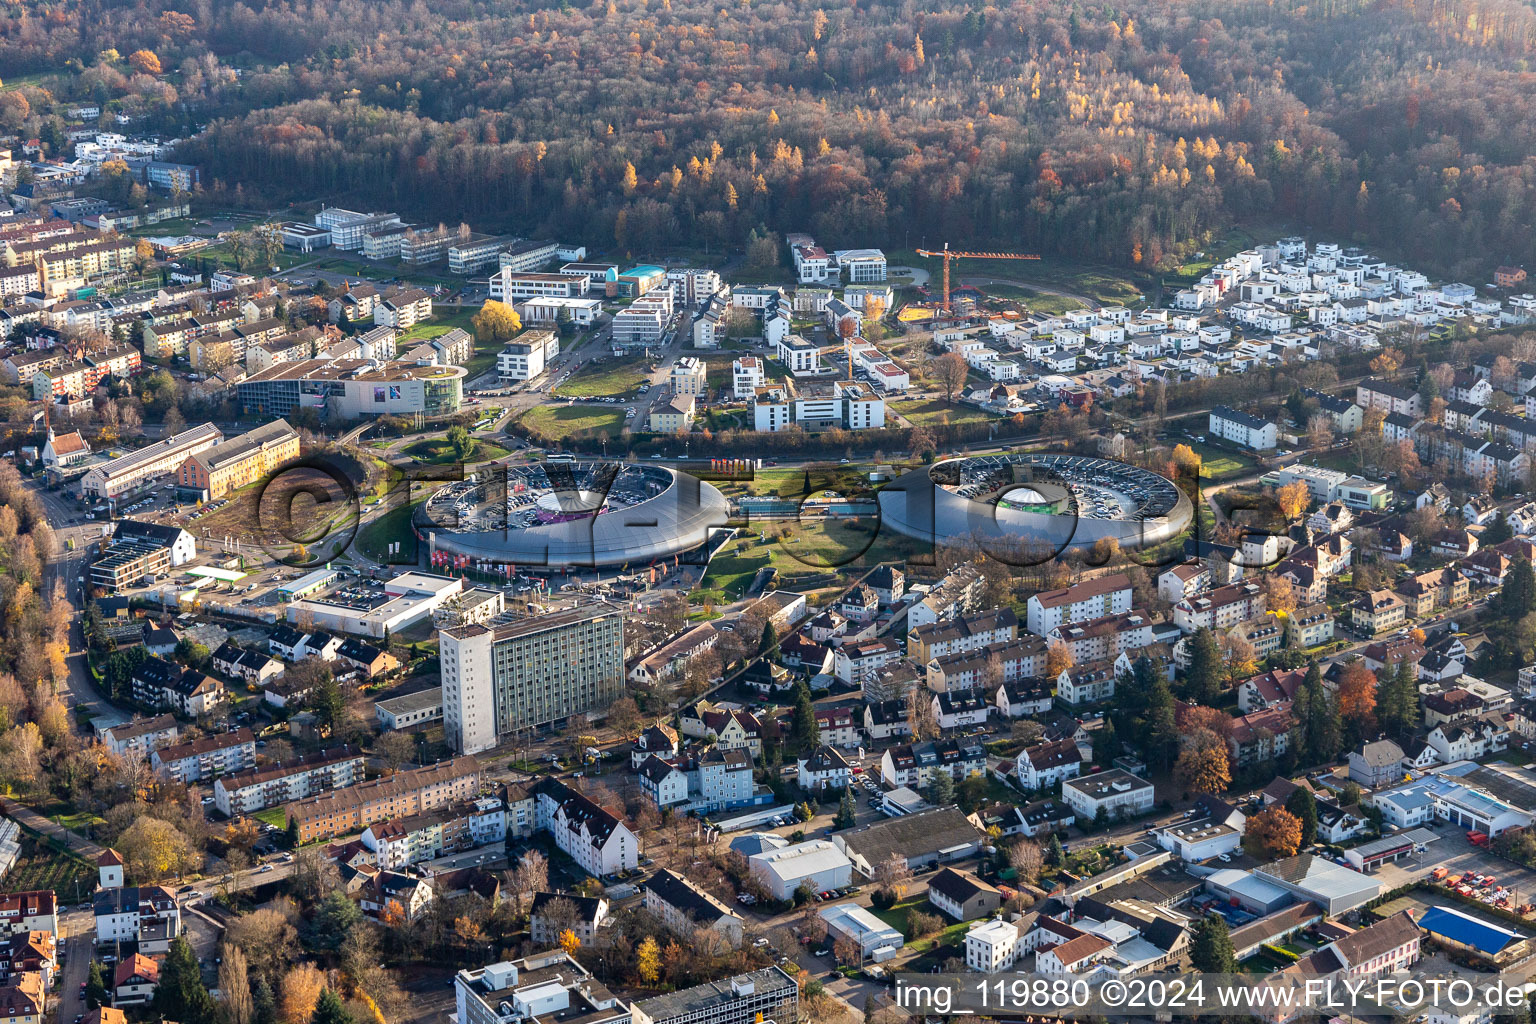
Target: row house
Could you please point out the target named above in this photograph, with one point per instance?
(1220, 608)
(1184, 581)
(1378, 612)
(886, 720)
(838, 726)
(727, 729)
(30, 910)
(255, 790)
(713, 780)
(1375, 393)
(407, 792)
(144, 914)
(206, 757)
(248, 666)
(160, 684)
(962, 634)
(858, 662)
(1261, 735)
(1081, 602)
(914, 765)
(1005, 662)
(823, 769)
(1470, 740)
(1107, 638)
(400, 842)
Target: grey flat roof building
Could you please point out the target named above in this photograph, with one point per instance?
(768, 994)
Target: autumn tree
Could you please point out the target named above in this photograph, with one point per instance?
(1058, 658)
(1357, 700)
(648, 960)
(235, 986)
(1387, 361)
(496, 322)
(569, 941)
(1279, 593)
(922, 717)
(145, 62)
(1272, 833)
(1292, 499)
(302, 986)
(153, 848)
(1185, 460)
(1203, 765)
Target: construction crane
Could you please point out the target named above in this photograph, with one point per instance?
(947, 254)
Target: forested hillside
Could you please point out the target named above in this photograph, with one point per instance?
(1126, 133)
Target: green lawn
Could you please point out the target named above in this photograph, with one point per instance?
(605, 379)
(925, 411)
(444, 319)
(438, 450)
(896, 917)
(1220, 463)
(374, 538)
(802, 549)
(731, 571)
(275, 816)
(557, 422)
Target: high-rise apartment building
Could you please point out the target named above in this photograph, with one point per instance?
(527, 674)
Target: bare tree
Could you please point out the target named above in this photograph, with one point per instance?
(950, 371)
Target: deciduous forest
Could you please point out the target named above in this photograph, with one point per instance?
(1132, 132)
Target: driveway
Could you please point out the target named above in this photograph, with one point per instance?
(77, 947)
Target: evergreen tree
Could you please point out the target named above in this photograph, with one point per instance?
(1429, 389)
(1211, 951)
(1106, 742)
(1518, 594)
(1496, 532)
(1304, 806)
(941, 791)
(1132, 699)
(1055, 855)
(181, 995)
(263, 1005)
(1162, 731)
(1202, 680)
(329, 1010)
(1321, 729)
(1397, 702)
(95, 987)
(802, 725)
(846, 811)
(327, 701)
(335, 918)
(770, 638)
(293, 833)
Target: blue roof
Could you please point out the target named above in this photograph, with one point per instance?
(1469, 931)
(644, 270)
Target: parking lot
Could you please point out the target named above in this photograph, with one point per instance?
(1459, 857)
